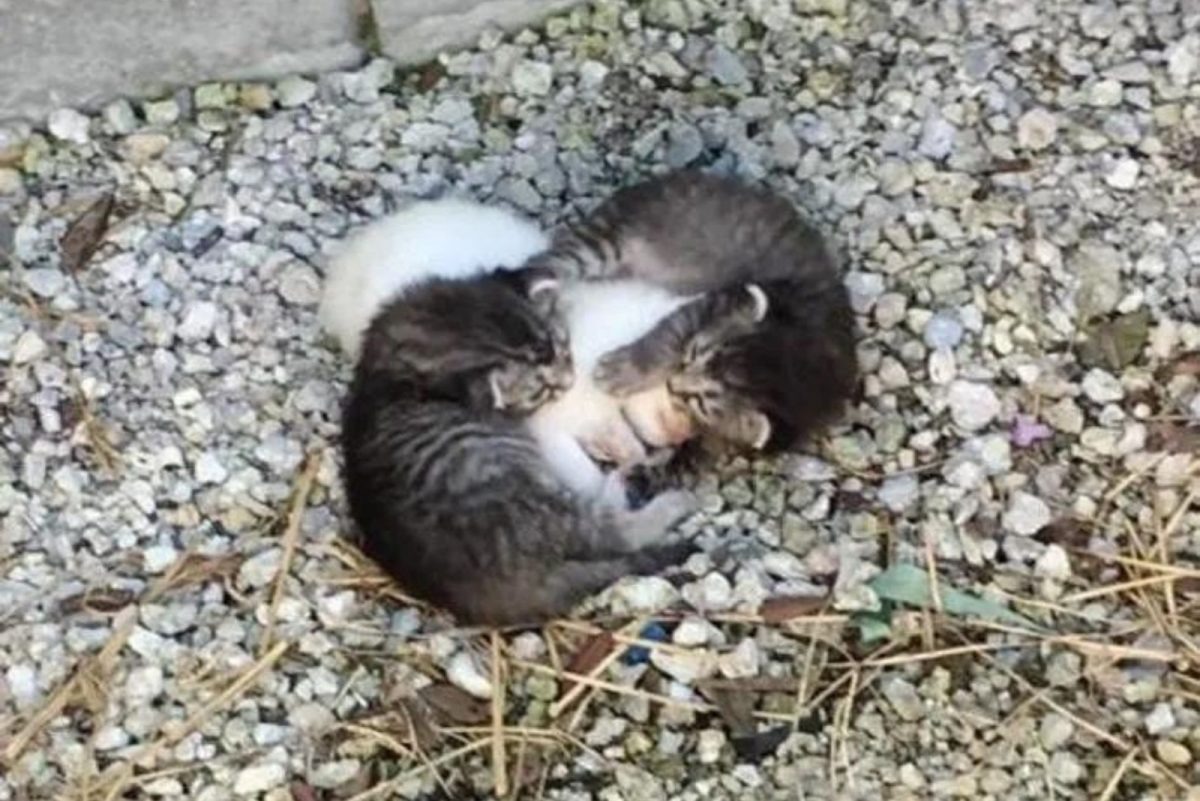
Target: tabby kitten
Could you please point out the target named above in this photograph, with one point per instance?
(452, 494)
(765, 353)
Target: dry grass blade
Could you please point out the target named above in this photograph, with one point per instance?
(1110, 789)
(84, 235)
(386, 789)
(291, 535)
(499, 757)
(85, 686)
(99, 441)
(193, 568)
(791, 607)
(122, 774)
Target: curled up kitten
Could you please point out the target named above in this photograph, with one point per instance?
(452, 494)
(453, 238)
(763, 352)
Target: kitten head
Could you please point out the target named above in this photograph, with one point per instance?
(537, 367)
(769, 381)
(493, 341)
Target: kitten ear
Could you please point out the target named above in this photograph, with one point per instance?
(542, 288)
(499, 402)
(761, 304)
(758, 427)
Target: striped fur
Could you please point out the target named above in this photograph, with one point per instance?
(455, 498)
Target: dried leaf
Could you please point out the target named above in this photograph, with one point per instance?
(789, 607)
(909, 584)
(194, 568)
(1065, 531)
(1116, 343)
(420, 724)
(591, 653)
(737, 710)
(1186, 364)
(103, 601)
(301, 791)
(84, 235)
(755, 748)
(1173, 438)
(452, 706)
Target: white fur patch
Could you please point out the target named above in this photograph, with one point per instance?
(446, 238)
(761, 304)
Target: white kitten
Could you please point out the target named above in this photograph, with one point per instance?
(448, 238)
(457, 239)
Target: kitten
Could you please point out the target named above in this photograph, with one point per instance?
(452, 238)
(764, 352)
(453, 495)
(449, 238)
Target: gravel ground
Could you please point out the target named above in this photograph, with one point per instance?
(1016, 188)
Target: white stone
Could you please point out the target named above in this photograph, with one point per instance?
(972, 406)
(29, 347)
(22, 683)
(742, 662)
(708, 746)
(1160, 720)
(198, 321)
(68, 125)
(335, 774)
(259, 570)
(209, 470)
(685, 667)
(1102, 387)
(465, 673)
(644, 594)
(1183, 57)
(259, 778)
(294, 91)
(120, 117)
(1053, 564)
(1026, 514)
(158, 558)
(899, 492)
(691, 631)
(713, 593)
(1055, 731)
(532, 77)
(1037, 129)
(1123, 175)
(300, 285)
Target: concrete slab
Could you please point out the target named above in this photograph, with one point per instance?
(82, 53)
(412, 31)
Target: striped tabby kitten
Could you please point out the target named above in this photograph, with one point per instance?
(453, 495)
(765, 353)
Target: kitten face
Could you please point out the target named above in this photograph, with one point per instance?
(706, 384)
(541, 369)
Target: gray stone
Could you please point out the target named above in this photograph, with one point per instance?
(294, 91)
(45, 282)
(59, 54)
(413, 31)
(943, 330)
(120, 117)
(198, 321)
(937, 137)
(725, 66)
(972, 406)
(1037, 129)
(684, 145)
(532, 77)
